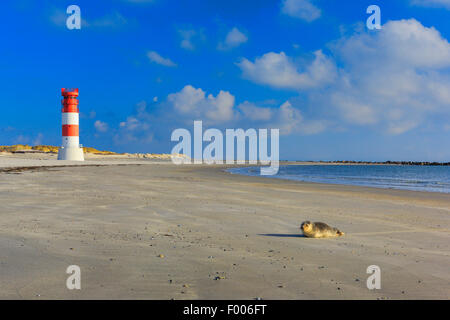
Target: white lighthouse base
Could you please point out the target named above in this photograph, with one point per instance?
(71, 153)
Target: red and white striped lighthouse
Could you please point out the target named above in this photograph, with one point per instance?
(71, 148)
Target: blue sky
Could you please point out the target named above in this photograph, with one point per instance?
(334, 88)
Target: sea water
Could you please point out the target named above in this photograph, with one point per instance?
(419, 178)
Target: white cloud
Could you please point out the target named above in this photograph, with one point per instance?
(113, 19)
(183, 107)
(38, 139)
(21, 139)
(288, 118)
(101, 126)
(432, 3)
(302, 9)
(395, 79)
(194, 102)
(156, 58)
(353, 111)
(25, 139)
(139, 121)
(279, 71)
(136, 128)
(233, 39)
(405, 41)
(58, 17)
(187, 38)
(255, 113)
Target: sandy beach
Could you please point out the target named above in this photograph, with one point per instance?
(142, 229)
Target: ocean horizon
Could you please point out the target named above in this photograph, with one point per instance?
(401, 177)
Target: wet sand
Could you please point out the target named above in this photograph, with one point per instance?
(154, 230)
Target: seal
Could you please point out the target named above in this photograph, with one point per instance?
(319, 230)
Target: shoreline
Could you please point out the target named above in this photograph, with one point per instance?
(385, 187)
(95, 161)
(351, 189)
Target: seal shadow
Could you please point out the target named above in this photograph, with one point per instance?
(282, 235)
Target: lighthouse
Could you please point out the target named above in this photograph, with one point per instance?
(70, 148)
